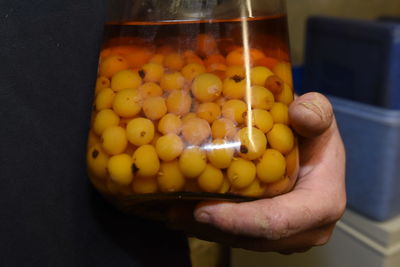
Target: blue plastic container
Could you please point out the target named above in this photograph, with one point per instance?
(298, 74)
(372, 139)
(357, 60)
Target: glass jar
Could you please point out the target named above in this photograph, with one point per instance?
(191, 103)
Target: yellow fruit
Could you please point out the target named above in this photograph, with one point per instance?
(284, 71)
(217, 69)
(234, 110)
(179, 102)
(104, 119)
(104, 99)
(253, 190)
(261, 98)
(140, 131)
(169, 147)
(102, 83)
(145, 161)
(272, 166)
(238, 71)
(211, 179)
(220, 101)
(120, 168)
(234, 87)
(112, 187)
(170, 123)
(138, 56)
(226, 186)
(125, 79)
(127, 103)
(214, 59)
(191, 57)
(195, 131)
(144, 185)
(207, 87)
(152, 72)
(252, 143)
(174, 61)
(106, 52)
(172, 81)
(280, 187)
(280, 113)
(281, 138)
(150, 89)
(209, 112)
(223, 128)
(93, 139)
(170, 178)
(286, 96)
(194, 60)
(256, 55)
(157, 58)
(274, 84)
(192, 70)
(114, 140)
(262, 119)
(97, 161)
(259, 75)
(189, 116)
(111, 65)
(241, 173)
(205, 44)
(157, 135)
(220, 153)
(192, 162)
(154, 107)
(235, 57)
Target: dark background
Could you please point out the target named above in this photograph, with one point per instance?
(49, 214)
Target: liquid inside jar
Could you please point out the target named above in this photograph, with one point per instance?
(196, 108)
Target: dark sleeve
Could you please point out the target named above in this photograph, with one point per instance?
(50, 216)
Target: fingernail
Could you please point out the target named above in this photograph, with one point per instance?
(315, 107)
(203, 217)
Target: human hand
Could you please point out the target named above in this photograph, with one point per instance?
(293, 222)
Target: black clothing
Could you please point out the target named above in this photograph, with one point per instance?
(49, 213)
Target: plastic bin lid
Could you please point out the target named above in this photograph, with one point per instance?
(373, 113)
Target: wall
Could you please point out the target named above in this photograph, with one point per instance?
(299, 10)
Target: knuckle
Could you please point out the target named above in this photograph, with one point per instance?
(262, 225)
(337, 209)
(279, 227)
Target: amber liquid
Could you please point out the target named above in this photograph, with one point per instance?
(267, 34)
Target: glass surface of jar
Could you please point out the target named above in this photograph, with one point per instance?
(191, 103)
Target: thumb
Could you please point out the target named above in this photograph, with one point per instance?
(311, 115)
